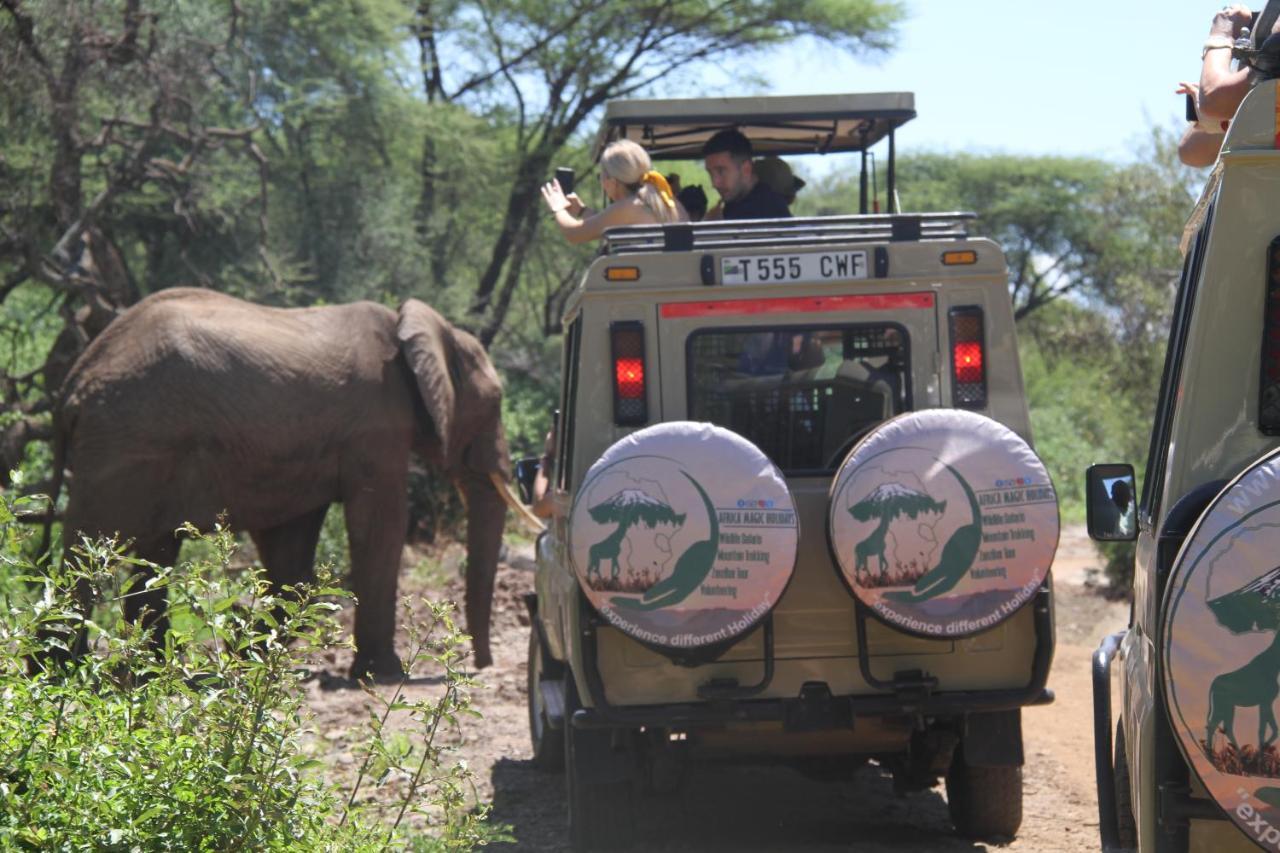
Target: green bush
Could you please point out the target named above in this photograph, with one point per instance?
(198, 745)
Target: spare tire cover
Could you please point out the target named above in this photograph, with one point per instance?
(1220, 650)
(943, 522)
(683, 535)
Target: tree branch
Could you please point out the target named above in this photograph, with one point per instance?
(26, 37)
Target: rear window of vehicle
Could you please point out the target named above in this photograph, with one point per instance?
(802, 395)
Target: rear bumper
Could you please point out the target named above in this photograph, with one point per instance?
(816, 709)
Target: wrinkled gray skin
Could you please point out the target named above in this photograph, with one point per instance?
(193, 402)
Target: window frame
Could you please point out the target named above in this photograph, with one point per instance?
(568, 404)
(1171, 377)
(908, 380)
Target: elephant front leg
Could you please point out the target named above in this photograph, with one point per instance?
(376, 521)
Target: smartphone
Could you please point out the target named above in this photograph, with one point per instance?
(1192, 115)
(564, 177)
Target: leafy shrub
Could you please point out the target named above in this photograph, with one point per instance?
(198, 744)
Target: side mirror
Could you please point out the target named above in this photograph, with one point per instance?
(526, 472)
(1111, 503)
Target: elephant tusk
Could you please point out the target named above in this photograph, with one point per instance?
(522, 512)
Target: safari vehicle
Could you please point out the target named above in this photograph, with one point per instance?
(721, 577)
(1194, 763)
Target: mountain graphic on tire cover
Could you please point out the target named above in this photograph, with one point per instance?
(710, 541)
(957, 555)
(690, 571)
(943, 522)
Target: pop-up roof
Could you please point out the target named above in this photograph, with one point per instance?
(782, 125)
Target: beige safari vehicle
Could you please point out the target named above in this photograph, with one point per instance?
(761, 356)
(1194, 763)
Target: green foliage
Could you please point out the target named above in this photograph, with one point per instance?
(199, 745)
(1077, 416)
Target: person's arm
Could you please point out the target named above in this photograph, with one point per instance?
(1221, 89)
(593, 226)
(1199, 148)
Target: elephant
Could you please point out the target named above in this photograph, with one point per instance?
(193, 403)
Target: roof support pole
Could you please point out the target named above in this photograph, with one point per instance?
(862, 184)
(892, 199)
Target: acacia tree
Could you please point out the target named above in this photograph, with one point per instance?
(115, 125)
(550, 67)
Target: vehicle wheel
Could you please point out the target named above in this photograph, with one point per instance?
(601, 781)
(985, 802)
(1128, 828)
(548, 743)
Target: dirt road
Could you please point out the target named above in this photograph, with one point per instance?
(764, 808)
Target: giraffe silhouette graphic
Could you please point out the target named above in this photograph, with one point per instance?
(887, 502)
(957, 555)
(627, 508)
(1253, 607)
(691, 568)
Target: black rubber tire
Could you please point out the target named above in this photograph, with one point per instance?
(601, 813)
(984, 802)
(1127, 827)
(547, 743)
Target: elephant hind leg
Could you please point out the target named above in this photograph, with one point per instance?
(288, 552)
(149, 607)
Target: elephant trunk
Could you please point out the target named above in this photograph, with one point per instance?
(486, 514)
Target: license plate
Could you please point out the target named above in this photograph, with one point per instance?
(805, 266)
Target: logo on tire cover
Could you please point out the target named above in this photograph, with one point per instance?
(1222, 652)
(931, 551)
(669, 563)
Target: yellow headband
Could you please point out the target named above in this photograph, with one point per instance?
(659, 183)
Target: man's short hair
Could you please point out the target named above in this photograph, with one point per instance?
(730, 140)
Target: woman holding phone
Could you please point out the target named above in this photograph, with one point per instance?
(638, 196)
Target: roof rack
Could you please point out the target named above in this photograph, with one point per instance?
(800, 231)
(776, 124)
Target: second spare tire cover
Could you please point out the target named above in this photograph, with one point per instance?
(943, 522)
(683, 535)
(1220, 650)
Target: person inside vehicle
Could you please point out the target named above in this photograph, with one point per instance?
(1122, 497)
(743, 195)
(777, 175)
(694, 201)
(638, 196)
(541, 506)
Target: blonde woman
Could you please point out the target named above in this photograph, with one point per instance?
(639, 196)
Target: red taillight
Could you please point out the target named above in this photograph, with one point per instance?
(968, 358)
(1269, 387)
(630, 397)
(629, 376)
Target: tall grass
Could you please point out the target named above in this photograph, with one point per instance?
(197, 744)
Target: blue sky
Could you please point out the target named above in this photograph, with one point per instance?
(1088, 77)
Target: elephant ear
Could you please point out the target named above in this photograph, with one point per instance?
(426, 341)
(459, 387)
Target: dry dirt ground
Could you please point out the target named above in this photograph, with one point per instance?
(765, 808)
